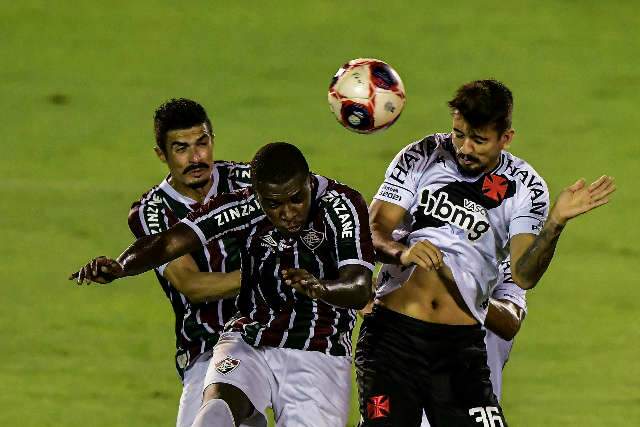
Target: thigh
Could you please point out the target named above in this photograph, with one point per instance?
(460, 392)
(236, 363)
(389, 383)
(192, 387)
(314, 388)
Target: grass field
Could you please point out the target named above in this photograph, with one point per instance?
(78, 85)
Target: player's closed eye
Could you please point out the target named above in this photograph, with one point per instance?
(297, 198)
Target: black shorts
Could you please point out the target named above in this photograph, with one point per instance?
(405, 366)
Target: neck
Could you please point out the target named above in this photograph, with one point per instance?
(197, 194)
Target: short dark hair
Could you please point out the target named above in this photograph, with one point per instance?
(483, 103)
(277, 163)
(175, 114)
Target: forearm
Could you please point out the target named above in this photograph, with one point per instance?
(387, 249)
(201, 287)
(504, 318)
(536, 259)
(155, 250)
(351, 292)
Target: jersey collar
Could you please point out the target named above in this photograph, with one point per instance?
(175, 195)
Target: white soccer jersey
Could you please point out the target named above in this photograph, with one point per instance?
(470, 219)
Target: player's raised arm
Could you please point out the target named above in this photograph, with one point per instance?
(530, 254)
(144, 254)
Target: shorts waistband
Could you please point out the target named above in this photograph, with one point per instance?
(420, 327)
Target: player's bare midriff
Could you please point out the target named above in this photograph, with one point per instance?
(431, 296)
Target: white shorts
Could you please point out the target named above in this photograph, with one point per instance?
(304, 388)
(192, 387)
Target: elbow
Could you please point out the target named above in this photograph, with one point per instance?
(510, 331)
(523, 282)
(364, 295)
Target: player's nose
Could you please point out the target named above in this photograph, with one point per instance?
(467, 146)
(287, 213)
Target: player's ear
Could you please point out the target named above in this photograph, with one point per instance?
(507, 138)
(160, 154)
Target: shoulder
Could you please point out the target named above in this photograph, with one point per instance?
(237, 172)
(520, 171)
(147, 212)
(330, 189)
(231, 198)
(426, 146)
(337, 198)
(153, 197)
(414, 157)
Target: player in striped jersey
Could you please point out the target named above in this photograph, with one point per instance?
(507, 308)
(466, 204)
(202, 285)
(306, 266)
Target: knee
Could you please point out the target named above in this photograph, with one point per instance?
(238, 402)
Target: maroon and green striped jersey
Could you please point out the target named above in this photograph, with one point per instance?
(270, 312)
(197, 326)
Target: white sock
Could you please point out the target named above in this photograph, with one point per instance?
(214, 412)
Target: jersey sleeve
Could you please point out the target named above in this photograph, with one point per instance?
(223, 215)
(532, 207)
(507, 289)
(147, 218)
(402, 177)
(347, 215)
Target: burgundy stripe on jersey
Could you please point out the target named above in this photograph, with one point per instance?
(197, 326)
(271, 313)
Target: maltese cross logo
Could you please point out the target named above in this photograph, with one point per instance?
(378, 407)
(495, 187)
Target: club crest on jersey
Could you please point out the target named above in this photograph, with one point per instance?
(465, 217)
(182, 359)
(312, 238)
(495, 187)
(227, 365)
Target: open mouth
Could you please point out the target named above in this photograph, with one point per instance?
(294, 228)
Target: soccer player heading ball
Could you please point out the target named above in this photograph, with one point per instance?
(461, 204)
(306, 265)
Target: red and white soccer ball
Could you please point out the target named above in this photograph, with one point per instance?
(366, 95)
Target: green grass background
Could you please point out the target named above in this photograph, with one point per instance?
(102, 356)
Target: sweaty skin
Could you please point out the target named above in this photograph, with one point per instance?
(431, 296)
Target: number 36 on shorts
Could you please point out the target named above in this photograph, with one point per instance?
(489, 416)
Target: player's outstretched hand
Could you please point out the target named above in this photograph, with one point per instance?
(98, 270)
(303, 281)
(580, 198)
(423, 254)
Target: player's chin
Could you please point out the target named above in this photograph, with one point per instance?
(198, 182)
(469, 169)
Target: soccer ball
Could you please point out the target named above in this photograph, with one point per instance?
(366, 95)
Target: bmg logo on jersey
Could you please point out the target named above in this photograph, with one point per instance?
(441, 208)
